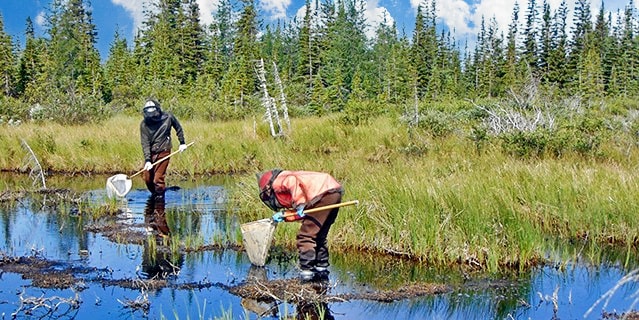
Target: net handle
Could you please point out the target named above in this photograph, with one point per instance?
(164, 158)
(337, 205)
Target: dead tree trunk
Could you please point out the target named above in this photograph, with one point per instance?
(278, 82)
(267, 100)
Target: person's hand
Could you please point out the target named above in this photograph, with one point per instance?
(148, 166)
(300, 211)
(182, 147)
(278, 216)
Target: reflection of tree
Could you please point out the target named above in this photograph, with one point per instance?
(504, 292)
(184, 223)
(157, 261)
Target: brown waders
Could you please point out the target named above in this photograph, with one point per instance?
(311, 238)
(154, 178)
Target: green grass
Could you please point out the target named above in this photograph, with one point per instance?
(435, 199)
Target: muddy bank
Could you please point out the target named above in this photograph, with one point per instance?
(49, 274)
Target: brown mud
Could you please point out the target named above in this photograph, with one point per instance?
(49, 274)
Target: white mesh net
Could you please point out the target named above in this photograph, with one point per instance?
(118, 185)
(257, 237)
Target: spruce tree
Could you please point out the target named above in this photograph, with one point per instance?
(193, 42)
(7, 62)
(529, 50)
(219, 51)
(240, 81)
(119, 71)
(511, 76)
(30, 67)
(582, 27)
(557, 63)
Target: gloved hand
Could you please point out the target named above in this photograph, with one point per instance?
(300, 211)
(278, 216)
(148, 166)
(182, 147)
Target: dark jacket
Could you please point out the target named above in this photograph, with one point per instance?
(155, 136)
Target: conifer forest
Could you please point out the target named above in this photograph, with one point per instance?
(325, 61)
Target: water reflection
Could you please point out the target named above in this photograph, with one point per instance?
(158, 261)
(196, 212)
(259, 308)
(314, 310)
(155, 216)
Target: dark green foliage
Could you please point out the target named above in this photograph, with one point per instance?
(358, 112)
(325, 61)
(69, 109)
(589, 132)
(12, 109)
(31, 65)
(7, 63)
(479, 136)
(582, 135)
(120, 85)
(437, 123)
(525, 144)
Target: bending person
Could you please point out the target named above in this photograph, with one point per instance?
(297, 191)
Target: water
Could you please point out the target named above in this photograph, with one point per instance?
(197, 283)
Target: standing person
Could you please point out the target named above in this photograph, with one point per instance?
(296, 191)
(155, 136)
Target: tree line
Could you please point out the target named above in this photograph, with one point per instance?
(326, 61)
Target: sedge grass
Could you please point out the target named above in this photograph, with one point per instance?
(438, 200)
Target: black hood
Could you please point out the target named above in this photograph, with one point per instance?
(152, 111)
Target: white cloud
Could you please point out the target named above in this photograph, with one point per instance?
(415, 3)
(207, 8)
(465, 18)
(500, 10)
(455, 14)
(135, 9)
(276, 9)
(374, 16)
(40, 19)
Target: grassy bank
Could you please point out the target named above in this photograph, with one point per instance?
(436, 199)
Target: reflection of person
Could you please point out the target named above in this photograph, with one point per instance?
(261, 308)
(155, 136)
(158, 262)
(313, 311)
(154, 216)
(297, 191)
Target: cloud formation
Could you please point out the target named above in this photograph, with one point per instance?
(135, 9)
(465, 16)
(275, 9)
(375, 15)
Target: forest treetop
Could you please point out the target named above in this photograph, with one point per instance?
(209, 71)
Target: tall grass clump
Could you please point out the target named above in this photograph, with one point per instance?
(481, 184)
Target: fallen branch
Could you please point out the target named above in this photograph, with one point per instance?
(34, 165)
(48, 306)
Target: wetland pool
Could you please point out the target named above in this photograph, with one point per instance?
(57, 263)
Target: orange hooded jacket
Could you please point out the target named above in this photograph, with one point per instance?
(295, 188)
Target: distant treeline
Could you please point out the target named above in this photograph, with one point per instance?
(325, 61)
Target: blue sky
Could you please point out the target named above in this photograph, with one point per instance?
(462, 16)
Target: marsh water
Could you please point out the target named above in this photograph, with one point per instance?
(109, 268)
